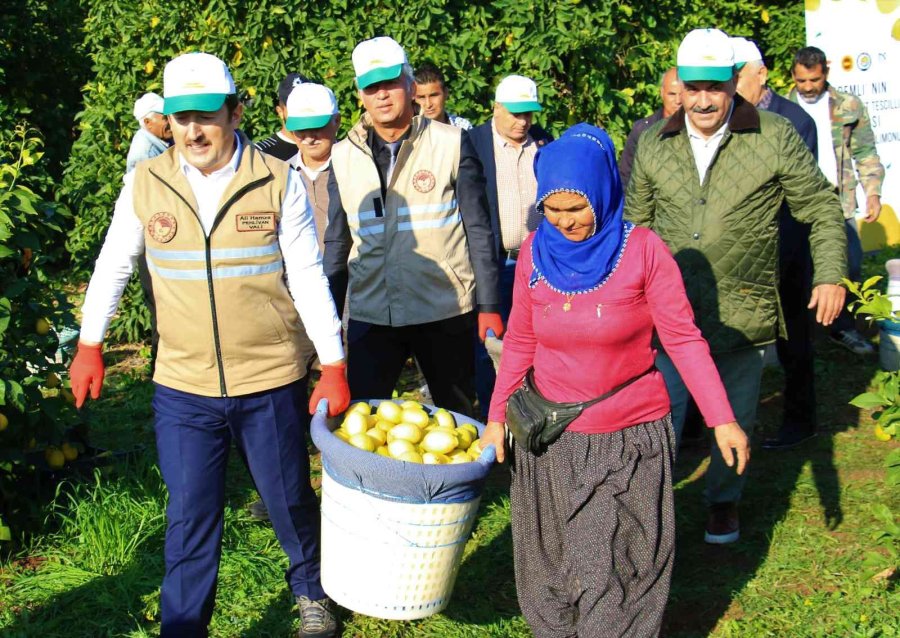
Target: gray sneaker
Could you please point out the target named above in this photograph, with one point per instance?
(317, 618)
(853, 341)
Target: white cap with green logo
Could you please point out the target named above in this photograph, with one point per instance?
(518, 94)
(705, 55)
(196, 82)
(745, 51)
(377, 60)
(310, 106)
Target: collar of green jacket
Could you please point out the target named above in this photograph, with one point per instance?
(745, 117)
(252, 169)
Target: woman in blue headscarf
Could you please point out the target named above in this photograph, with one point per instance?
(592, 514)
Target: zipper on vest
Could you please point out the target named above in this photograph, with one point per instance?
(215, 319)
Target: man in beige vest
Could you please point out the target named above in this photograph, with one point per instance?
(231, 248)
(407, 209)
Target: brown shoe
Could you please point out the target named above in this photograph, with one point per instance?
(723, 525)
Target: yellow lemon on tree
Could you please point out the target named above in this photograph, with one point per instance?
(69, 451)
(389, 411)
(881, 435)
(356, 423)
(42, 326)
(405, 431)
(362, 407)
(4, 422)
(363, 442)
(433, 458)
(415, 416)
(440, 441)
(411, 457)
(444, 418)
(342, 434)
(399, 447)
(54, 457)
(379, 436)
(411, 405)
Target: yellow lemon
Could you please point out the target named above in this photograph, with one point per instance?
(54, 457)
(887, 6)
(405, 431)
(379, 436)
(895, 30)
(342, 434)
(384, 426)
(444, 418)
(475, 449)
(881, 435)
(411, 405)
(415, 416)
(458, 456)
(362, 407)
(42, 326)
(411, 457)
(69, 451)
(471, 428)
(363, 442)
(400, 447)
(371, 420)
(356, 423)
(433, 458)
(811, 5)
(440, 441)
(4, 422)
(383, 451)
(465, 438)
(389, 411)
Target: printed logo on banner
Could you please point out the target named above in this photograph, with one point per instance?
(255, 222)
(864, 61)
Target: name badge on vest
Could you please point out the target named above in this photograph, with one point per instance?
(250, 222)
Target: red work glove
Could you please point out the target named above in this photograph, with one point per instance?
(490, 321)
(86, 373)
(332, 386)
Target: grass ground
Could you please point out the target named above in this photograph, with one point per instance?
(807, 564)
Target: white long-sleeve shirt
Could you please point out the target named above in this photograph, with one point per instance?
(305, 278)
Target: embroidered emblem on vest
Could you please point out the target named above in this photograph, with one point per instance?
(250, 222)
(162, 227)
(423, 181)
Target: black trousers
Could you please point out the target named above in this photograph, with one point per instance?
(796, 352)
(376, 355)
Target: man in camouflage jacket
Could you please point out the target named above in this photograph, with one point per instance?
(845, 138)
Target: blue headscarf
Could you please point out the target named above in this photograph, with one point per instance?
(583, 161)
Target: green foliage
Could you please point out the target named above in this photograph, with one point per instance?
(32, 401)
(593, 61)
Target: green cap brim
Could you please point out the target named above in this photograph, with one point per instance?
(304, 123)
(521, 107)
(739, 65)
(379, 75)
(705, 73)
(195, 102)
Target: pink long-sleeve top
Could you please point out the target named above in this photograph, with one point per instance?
(605, 339)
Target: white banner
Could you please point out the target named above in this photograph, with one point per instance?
(861, 39)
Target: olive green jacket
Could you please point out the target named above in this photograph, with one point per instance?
(724, 232)
(853, 141)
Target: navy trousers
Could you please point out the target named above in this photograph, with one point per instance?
(193, 437)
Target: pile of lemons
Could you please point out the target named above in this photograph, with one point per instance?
(406, 432)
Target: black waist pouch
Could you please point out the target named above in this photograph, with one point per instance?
(536, 422)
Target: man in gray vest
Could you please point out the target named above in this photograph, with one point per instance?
(407, 213)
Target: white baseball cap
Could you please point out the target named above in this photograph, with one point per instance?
(518, 94)
(310, 106)
(146, 104)
(377, 60)
(745, 51)
(196, 82)
(705, 55)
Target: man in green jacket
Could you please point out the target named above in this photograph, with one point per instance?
(846, 148)
(710, 181)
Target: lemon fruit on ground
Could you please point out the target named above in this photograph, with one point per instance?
(399, 447)
(363, 442)
(389, 411)
(405, 431)
(356, 423)
(4, 422)
(432, 458)
(42, 326)
(440, 441)
(54, 457)
(362, 407)
(415, 416)
(69, 451)
(444, 419)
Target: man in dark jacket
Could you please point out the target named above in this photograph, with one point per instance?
(710, 181)
(670, 94)
(506, 146)
(795, 352)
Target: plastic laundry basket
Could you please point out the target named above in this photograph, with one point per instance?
(393, 532)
